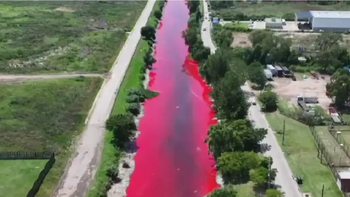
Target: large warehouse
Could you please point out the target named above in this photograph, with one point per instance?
(337, 21)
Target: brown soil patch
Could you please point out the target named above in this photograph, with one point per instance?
(241, 40)
(288, 89)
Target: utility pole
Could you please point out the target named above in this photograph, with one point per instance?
(322, 191)
(284, 130)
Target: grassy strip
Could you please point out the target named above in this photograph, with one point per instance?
(111, 155)
(301, 154)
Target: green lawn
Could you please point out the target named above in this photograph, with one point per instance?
(18, 176)
(301, 154)
(63, 36)
(110, 155)
(245, 190)
(45, 115)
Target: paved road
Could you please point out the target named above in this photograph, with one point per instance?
(9, 78)
(284, 178)
(82, 168)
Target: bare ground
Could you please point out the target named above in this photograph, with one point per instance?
(289, 90)
(240, 39)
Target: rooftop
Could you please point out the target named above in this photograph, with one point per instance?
(273, 20)
(344, 174)
(323, 14)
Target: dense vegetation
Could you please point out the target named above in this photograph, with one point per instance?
(63, 36)
(234, 142)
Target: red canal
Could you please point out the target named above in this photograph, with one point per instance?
(172, 159)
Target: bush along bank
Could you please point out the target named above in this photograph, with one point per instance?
(234, 142)
(121, 124)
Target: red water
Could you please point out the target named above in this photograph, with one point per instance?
(172, 159)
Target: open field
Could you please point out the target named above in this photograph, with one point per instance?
(110, 155)
(63, 36)
(301, 154)
(18, 176)
(277, 9)
(47, 115)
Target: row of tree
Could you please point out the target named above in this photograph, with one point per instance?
(234, 142)
(123, 125)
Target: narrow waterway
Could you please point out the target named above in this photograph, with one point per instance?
(172, 158)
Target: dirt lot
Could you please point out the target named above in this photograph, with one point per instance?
(240, 39)
(289, 90)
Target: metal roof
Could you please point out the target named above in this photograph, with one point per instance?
(330, 14)
(323, 14)
(303, 15)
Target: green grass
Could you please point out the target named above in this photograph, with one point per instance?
(301, 154)
(18, 176)
(277, 9)
(245, 190)
(36, 37)
(45, 115)
(111, 155)
(337, 154)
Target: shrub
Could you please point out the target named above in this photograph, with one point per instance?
(134, 109)
(269, 100)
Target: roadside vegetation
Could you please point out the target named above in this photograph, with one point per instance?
(63, 36)
(233, 141)
(47, 114)
(121, 126)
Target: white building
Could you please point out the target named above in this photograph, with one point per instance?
(336, 21)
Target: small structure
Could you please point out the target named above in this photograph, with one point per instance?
(268, 74)
(279, 71)
(273, 23)
(272, 69)
(343, 180)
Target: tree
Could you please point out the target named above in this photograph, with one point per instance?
(256, 75)
(190, 36)
(217, 65)
(158, 14)
(339, 87)
(148, 32)
(199, 52)
(269, 100)
(227, 191)
(237, 135)
(229, 99)
(259, 176)
(122, 126)
(235, 166)
(274, 193)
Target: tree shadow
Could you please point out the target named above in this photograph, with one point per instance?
(264, 147)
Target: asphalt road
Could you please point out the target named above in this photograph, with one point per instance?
(81, 170)
(284, 179)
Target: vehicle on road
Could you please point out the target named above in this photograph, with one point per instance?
(253, 103)
(204, 28)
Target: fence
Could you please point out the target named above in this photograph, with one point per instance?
(340, 139)
(24, 155)
(323, 153)
(36, 186)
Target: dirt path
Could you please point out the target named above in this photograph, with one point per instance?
(17, 78)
